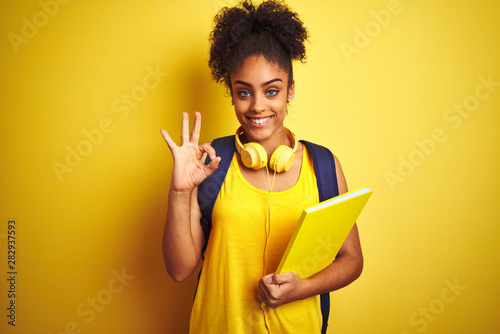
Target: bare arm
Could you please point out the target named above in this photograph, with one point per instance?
(183, 235)
(278, 289)
(348, 264)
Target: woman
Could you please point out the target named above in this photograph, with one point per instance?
(257, 209)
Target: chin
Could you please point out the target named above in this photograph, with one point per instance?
(260, 134)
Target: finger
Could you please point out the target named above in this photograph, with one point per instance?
(213, 165)
(207, 148)
(267, 276)
(195, 133)
(269, 279)
(265, 285)
(263, 291)
(203, 157)
(282, 278)
(185, 128)
(171, 144)
(265, 295)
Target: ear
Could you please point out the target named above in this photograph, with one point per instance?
(291, 91)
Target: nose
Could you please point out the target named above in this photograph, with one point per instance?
(258, 104)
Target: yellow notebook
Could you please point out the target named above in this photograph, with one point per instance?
(321, 231)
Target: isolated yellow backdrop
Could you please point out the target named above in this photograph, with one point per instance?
(405, 93)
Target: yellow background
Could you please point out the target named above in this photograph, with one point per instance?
(432, 222)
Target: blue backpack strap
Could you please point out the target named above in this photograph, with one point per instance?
(209, 189)
(324, 167)
(326, 179)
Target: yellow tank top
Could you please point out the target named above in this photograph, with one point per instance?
(236, 258)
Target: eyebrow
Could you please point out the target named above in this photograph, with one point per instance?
(262, 85)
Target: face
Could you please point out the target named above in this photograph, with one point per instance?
(260, 92)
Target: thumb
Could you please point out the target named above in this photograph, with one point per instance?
(269, 279)
(281, 278)
(210, 168)
(214, 164)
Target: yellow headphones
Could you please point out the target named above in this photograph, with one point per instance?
(254, 156)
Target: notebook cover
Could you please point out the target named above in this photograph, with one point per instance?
(321, 231)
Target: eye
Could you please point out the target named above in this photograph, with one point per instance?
(272, 92)
(244, 93)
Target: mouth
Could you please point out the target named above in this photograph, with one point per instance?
(259, 121)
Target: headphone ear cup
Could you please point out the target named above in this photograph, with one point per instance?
(282, 159)
(253, 155)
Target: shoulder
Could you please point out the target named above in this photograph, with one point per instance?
(321, 153)
(226, 140)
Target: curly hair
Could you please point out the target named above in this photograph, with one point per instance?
(271, 30)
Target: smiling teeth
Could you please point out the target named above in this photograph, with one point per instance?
(259, 120)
